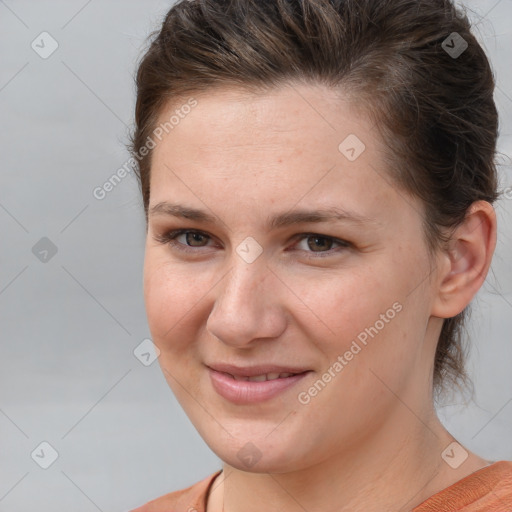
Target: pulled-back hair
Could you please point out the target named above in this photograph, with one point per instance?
(397, 59)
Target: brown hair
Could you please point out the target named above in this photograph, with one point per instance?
(434, 108)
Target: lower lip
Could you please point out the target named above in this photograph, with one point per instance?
(246, 392)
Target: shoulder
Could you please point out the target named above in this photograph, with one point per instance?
(499, 485)
(190, 499)
(486, 490)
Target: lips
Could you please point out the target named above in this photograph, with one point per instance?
(250, 385)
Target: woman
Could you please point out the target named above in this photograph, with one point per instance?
(318, 179)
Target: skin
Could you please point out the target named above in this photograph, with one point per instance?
(370, 440)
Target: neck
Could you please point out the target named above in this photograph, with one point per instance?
(396, 469)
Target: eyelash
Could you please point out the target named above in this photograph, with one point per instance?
(169, 239)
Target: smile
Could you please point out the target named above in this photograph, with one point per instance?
(243, 390)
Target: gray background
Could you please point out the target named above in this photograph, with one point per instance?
(69, 325)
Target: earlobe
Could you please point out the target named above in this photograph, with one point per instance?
(466, 261)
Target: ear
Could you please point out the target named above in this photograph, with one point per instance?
(464, 265)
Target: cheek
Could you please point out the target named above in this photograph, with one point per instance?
(346, 303)
(381, 348)
(363, 316)
(172, 299)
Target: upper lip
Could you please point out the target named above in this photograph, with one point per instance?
(252, 371)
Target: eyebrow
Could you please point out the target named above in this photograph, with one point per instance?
(279, 220)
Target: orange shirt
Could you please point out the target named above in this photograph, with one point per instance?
(486, 490)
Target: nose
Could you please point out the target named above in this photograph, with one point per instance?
(247, 305)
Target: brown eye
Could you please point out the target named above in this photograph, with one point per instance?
(194, 238)
(191, 239)
(319, 246)
(320, 242)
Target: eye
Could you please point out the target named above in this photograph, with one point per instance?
(321, 245)
(191, 237)
(194, 239)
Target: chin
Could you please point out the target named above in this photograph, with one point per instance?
(256, 456)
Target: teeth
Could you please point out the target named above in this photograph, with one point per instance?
(264, 377)
(258, 378)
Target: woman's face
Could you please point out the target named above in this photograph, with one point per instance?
(349, 298)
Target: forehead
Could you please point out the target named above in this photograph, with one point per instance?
(293, 144)
(231, 124)
(289, 108)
